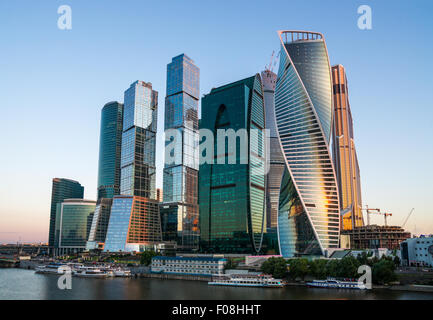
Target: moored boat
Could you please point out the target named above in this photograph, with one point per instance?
(336, 284)
(246, 280)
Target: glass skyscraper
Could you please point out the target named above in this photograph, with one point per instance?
(344, 154)
(73, 222)
(179, 211)
(309, 215)
(232, 195)
(62, 189)
(134, 223)
(110, 146)
(138, 141)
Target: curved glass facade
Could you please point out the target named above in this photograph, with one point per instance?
(232, 194)
(308, 216)
(110, 145)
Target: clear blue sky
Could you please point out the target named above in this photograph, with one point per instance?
(54, 83)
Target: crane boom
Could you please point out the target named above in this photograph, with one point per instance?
(407, 218)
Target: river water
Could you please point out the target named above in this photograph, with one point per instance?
(26, 284)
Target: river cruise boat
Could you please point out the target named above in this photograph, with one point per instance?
(122, 273)
(336, 284)
(52, 268)
(92, 272)
(246, 280)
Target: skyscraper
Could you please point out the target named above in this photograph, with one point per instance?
(73, 224)
(232, 192)
(135, 223)
(138, 141)
(179, 211)
(344, 154)
(62, 189)
(110, 146)
(309, 216)
(276, 161)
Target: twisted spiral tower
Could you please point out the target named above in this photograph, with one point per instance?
(308, 213)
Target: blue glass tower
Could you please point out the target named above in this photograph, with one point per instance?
(308, 216)
(179, 212)
(110, 145)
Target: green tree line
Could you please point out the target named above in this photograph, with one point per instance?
(383, 270)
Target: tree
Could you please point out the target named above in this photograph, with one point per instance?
(146, 257)
(277, 267)
(317, 268)
(298, 268)
(384, 271)
(348, 267)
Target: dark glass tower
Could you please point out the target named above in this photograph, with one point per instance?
(62, 189)
(232, 195)
(179, 212)
(308, 215)
(110, 146)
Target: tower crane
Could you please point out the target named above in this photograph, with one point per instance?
(370, 211)
(407, 218)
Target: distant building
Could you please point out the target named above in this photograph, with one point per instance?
(344, 154)
(110, 146)
(201, 266)
(134, 225)
(159, 195)
(62, 189)
(417, 252)
(232, 196)
(374, 237)
(73, 222)
(179, 211)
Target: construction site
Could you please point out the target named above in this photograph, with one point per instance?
(373, 236)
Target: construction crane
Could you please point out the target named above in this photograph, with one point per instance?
(385, 215)
(407, 218)
(370, 211)
(269, 68)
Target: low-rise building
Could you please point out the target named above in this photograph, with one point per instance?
(204, 266)
(417, 252)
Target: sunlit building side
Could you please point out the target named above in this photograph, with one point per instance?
(308, 216)
(344, 154)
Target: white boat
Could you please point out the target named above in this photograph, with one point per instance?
(336, 284)
(92, 272)
(52, 268)
(122, 273)
(246, 280)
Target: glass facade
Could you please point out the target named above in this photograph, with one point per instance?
(276, 161)
(110, 144)
(62, 189)
(74, 218)
(308, 216)
(99, 226)
(344, 154)
(179, 212)
(134, 223)
(232, 196)
(137, 162)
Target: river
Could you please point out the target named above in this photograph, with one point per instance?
(26, 284)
